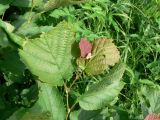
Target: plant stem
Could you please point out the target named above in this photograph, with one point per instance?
(74, 81)
(30, 16)
(73, 106)
(67, 100)
(67, 90)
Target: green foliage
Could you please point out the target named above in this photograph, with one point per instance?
(11, 65)
(27, 3)
(88, 115)
(154, 69)
(104, 92)
(3, 8)
(50, 51)
(50, 100)
(88, 90)
(48, 107)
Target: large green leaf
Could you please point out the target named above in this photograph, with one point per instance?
(49, 106)
(105, 92)
(51, 100)
(152, 94)
(49, 57)
(100, 114)
(104, 54)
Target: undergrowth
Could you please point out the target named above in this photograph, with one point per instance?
(134, 26)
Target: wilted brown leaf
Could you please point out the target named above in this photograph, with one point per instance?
(104, 54)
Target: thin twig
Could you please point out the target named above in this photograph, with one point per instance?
(70, 109)
(2, 16)
(67, 90)
(67, 100)
(73, 106)
(30, 16)
(74, 81)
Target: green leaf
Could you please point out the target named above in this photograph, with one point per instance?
(4, 5)
(13, 38)
(50, 100)
(49, 106)
(57, 13)
(120, 114)
(27, 3)
(154, 68)
(3, 8)
(104, 92)
(3, 40)
(24, 114)
(74, 115)
(92, 114)
(147, 82)
(104, 54)
(28, 29)
(153, 95)
(89, 115)
(6, 25)
(11, 65)
(52, 4)
(49, 57)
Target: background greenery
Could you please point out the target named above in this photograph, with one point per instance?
(134, 25)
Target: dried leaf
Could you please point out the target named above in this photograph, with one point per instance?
(104, 54)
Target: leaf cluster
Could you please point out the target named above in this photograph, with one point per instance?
(43, 77)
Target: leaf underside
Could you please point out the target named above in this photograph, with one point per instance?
(49, 57)
(104, 54)
(103, 93)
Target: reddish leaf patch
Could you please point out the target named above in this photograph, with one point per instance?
(152, 117)
(85, 47)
